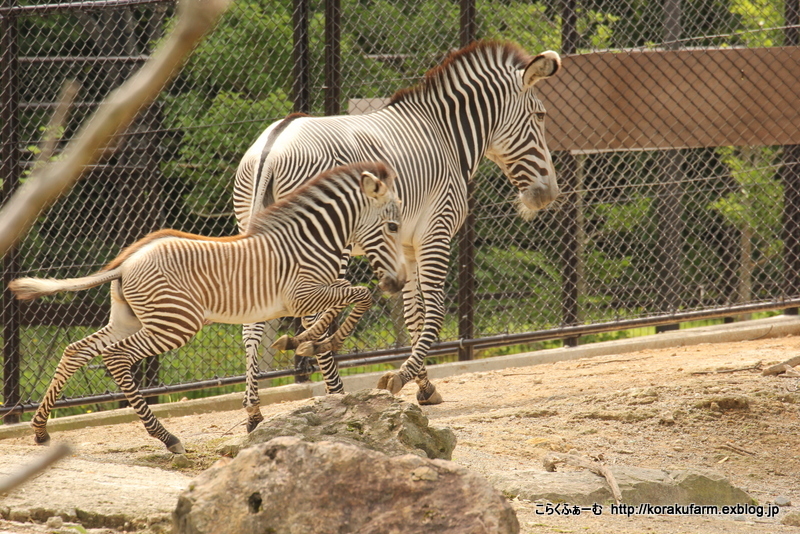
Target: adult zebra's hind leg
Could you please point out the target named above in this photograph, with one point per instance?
(251, 335)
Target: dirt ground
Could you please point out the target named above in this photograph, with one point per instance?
(704, 407)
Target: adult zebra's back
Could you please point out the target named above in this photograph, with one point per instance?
(479, 102)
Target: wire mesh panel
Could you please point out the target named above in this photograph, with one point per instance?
(673, 126)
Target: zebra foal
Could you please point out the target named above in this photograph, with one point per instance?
(166, 286)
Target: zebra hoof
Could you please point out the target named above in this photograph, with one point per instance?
(431, 398)
(44, 439)
(306, 349)
(253, 423)
(391, 381)
(174, 445)
(282, 343)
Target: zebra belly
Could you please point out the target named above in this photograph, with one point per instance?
(247, 316)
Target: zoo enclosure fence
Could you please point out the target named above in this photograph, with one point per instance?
(674, 127)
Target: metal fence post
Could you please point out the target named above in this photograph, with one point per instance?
(333, 57)
(9, 170)
(790, 176)
(570, 238)
(301, 93)
(669, 246)
(466, 235)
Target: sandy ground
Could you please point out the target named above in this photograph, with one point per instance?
(704, 407)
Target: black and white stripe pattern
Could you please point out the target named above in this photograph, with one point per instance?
(479, 102)
(166, 286)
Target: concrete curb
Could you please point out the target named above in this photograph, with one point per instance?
(779, 326)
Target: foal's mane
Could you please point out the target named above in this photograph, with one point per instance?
(351, 172)
(263, 219)
(510, 53)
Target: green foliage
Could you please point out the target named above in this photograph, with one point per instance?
(212, 143)
(754, 17)
(755, 206)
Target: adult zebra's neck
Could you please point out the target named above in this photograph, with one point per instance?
(466, 96)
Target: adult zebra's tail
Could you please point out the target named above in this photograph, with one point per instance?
(31, 288)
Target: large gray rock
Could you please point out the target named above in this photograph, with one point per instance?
(290, 486)
(371, 418)
(637, 485)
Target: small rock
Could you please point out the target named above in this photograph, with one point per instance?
(739, 518)
(55, 522)
(424, 473)
(180, 461)
(230, 448)
(667, 420)
(714, 407)
(792, 519)
(782, 500)
(19, 516)
(371, 418)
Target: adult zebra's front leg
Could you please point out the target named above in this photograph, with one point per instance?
(429, 304)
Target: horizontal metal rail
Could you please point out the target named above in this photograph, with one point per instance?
(33, 60)
(358, 359)
(76, 6)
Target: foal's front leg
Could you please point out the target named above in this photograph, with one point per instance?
(362, 298)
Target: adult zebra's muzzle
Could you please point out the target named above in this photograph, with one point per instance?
(537, 196)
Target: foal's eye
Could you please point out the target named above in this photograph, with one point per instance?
(391, 226)
(540, 116)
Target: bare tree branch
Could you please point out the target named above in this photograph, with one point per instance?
(115, 113)
(32, 469)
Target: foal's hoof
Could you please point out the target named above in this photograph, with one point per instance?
(429, 397)
(283, 343)
(306, 349)
(391, 381)
(252, 424)
(174, 445)
(44, 439)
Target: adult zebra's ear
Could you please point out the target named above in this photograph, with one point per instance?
(372, 186)
(542, 66)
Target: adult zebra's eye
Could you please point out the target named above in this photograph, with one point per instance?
(392, 226)
(540, 116)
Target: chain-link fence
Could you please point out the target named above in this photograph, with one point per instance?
(674, 126)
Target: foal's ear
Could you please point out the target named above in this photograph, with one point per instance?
(372, 186)
(542, 66)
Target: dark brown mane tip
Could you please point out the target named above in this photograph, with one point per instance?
(509, 51)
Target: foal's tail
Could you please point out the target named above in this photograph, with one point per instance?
(31, 288)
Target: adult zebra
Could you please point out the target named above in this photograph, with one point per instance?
(478, 102)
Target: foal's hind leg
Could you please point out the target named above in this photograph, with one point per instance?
(122, 324)
(75, 356)
(121, 357)
(251, 334)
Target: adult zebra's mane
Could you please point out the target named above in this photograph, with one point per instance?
(509, 53)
